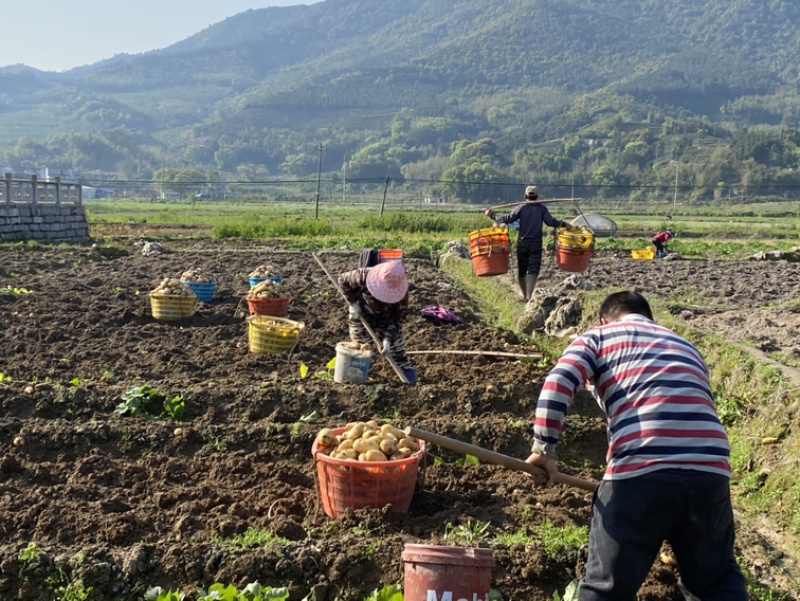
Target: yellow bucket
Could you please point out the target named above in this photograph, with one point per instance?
(172, 307)
(267, 334)
(489, 240)
(647, 254)
(581, 238)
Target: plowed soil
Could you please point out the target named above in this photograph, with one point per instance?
(124, 503)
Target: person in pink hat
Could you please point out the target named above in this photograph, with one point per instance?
(379, 294)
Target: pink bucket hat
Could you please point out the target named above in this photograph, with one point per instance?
(387, 282)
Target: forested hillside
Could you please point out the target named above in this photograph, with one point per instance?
(617, 97)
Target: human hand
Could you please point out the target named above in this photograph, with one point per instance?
(489, 213)
(386, 346)
(355, 311)
(549, 465)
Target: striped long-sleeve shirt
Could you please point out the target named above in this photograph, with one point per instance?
(654, 389)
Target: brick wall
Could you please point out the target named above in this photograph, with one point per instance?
(43, 222)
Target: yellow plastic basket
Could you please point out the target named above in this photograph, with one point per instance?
(489, 240)
(647, 254)
(581, 238)
(268, 334)
(172, 307)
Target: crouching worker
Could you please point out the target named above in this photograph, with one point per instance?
(660, 241)
(380, 295)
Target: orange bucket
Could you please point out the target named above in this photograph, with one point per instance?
(573, 260)
(347, 484)
(489, 249)
(276, 307)
(490, 264)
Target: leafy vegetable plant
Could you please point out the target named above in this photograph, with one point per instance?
(148, 403)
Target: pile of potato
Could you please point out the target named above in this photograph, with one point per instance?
(195, 275)
(266, 289)
(368, 442)
(263, 271)
(174, 287)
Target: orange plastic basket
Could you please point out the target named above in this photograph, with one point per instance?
(355, 485)
(277, 307)
(390, 254)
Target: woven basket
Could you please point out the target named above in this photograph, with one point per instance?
(347, 484)
(258, 280)
(203, 290)
(172, 307)
(268, 334)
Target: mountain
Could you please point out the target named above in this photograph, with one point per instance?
(396, 83)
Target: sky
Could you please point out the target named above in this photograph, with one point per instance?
(61, 34)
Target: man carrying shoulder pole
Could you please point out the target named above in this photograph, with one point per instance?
(529, 244)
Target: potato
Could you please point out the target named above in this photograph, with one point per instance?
(388, 446)
(408, 443)
(374, 456)
(344, 445)
(373, 424)
(348, 454)
(355, 432)
(390, 429)
(325, 438)
(362, 446)
(402, 454)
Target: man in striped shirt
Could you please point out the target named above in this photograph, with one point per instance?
(668, 456)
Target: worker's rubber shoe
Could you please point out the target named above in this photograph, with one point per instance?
(530, 285)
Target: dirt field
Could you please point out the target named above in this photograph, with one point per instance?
(124, 503)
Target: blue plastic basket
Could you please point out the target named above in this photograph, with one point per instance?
(203, 290)
(254, 281)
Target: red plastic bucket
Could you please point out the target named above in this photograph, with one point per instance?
(275, 307)
(455, 573)
(573, 260)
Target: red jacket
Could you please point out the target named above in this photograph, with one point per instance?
(663, 237)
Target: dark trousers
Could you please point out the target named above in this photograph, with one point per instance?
(630, 520)
(529, 258)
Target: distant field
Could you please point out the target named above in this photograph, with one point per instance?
(423, 229)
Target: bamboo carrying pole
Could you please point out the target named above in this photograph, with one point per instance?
(498, 459)
(533, 202)
(367, 327)
(479, 353)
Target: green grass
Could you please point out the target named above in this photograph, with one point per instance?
(252, 538)
(559, 540)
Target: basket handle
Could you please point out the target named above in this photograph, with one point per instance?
(486, 241)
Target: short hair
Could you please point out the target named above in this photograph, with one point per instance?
(621, 303)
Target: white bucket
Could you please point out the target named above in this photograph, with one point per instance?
(352, 363)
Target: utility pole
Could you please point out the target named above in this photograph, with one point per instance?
(385, 187)
(675, 196)
(319, 180)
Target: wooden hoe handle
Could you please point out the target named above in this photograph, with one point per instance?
(488, 456)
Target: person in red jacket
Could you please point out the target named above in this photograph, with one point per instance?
(660, 241)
